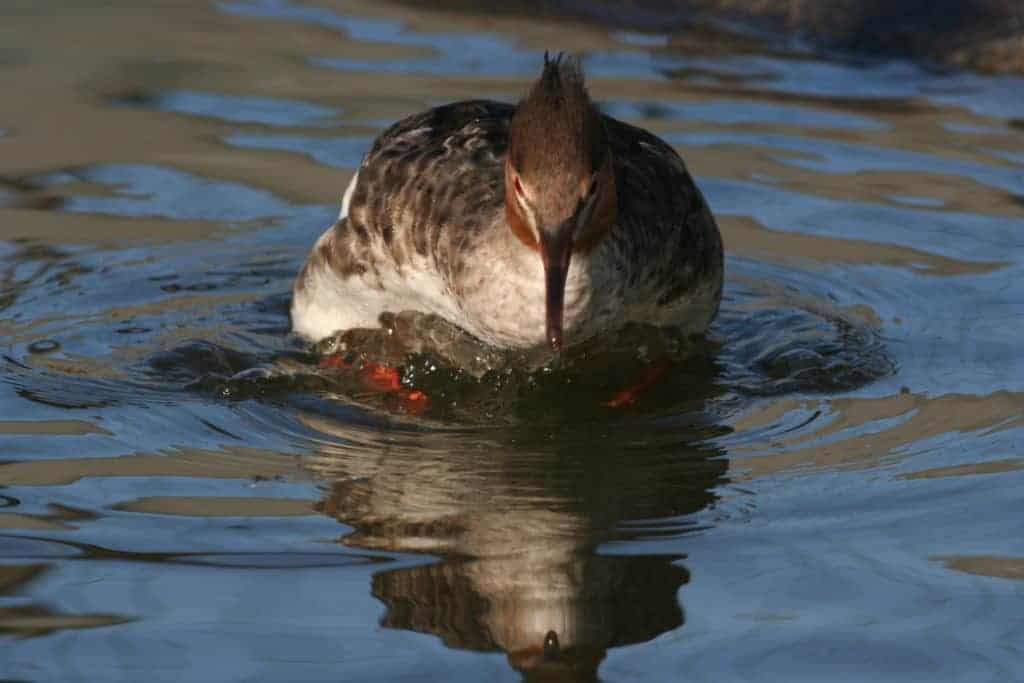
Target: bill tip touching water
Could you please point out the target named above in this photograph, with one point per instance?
(542, 223)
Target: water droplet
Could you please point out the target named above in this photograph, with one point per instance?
(43, 346)
(551, 648)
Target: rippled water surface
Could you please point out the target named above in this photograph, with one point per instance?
(829, 488)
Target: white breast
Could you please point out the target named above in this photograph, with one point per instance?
(504, 301)
(328, 303)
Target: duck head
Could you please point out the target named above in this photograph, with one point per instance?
(559, 180)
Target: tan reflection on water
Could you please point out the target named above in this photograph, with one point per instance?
(56, 518)
(50, 427)
(220, 506)
(847, 438)
(69, 69)
(230, 463)
(968, 469)
(986, 565)
(34, 619)
(747, 237)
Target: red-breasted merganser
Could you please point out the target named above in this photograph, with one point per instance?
(545, 222)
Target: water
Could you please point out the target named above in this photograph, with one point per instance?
(828, 488)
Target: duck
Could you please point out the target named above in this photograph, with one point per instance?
(538, 224)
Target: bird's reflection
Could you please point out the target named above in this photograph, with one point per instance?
(516, 519)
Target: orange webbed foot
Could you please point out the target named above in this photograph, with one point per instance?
(409, 401)
(380, 379)
(630, 394)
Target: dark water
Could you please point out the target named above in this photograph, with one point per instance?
(830, 488)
